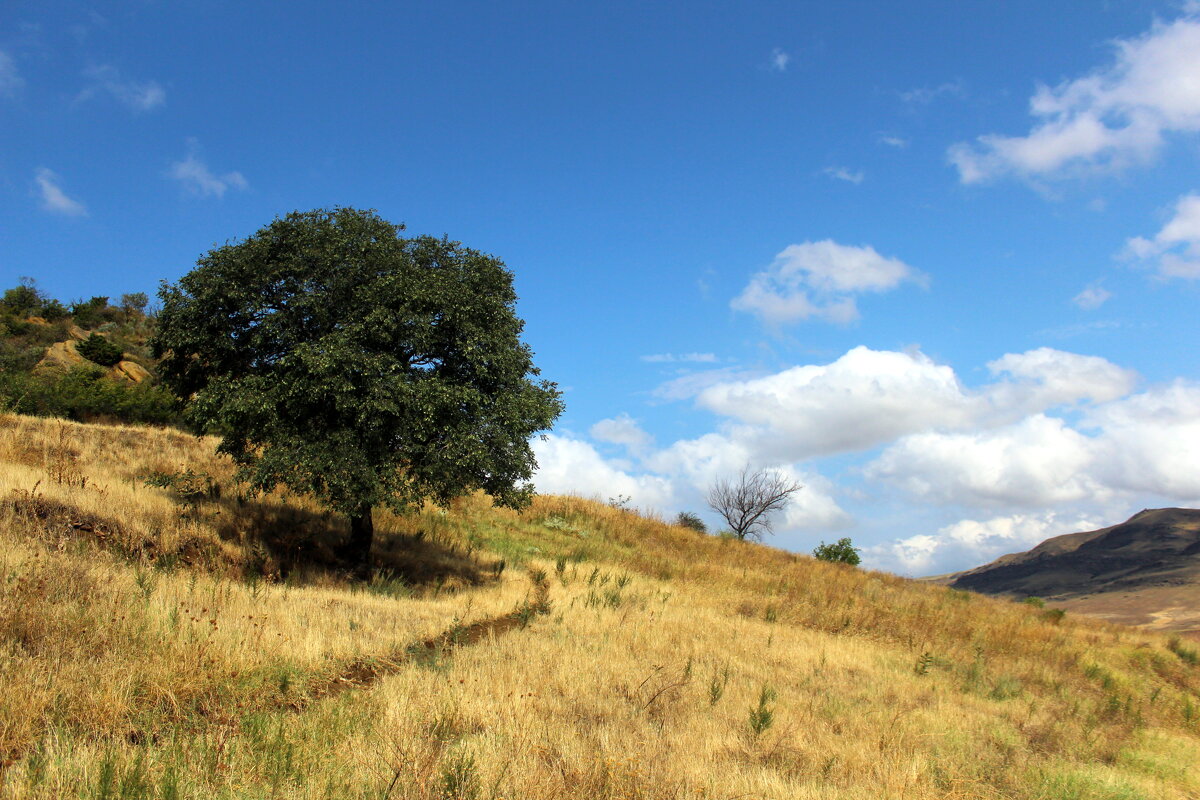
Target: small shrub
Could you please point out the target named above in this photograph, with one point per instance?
(1187, 655)
(1036, 602)
(716, 687)
(460, 778)
(100, 351)
(1053, 615)
(190, 487)
(620, 502)
(762, 716)
(686, 519)
(842, 552)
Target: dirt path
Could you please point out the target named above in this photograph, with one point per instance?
(364, 672)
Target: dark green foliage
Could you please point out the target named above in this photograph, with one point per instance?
(843, 552)
(762, 716)
(100, 350)
(134, 304)
(25, 300)
(338, 358)
(22, 300)
(93, 313)
(686, 519)
(52, 311)
(85, 394)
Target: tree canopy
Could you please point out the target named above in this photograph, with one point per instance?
(341, 359)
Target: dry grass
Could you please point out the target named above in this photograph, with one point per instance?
(154, 651)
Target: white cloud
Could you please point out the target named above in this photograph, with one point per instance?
(1177, 246)
(893, 141)
(699, 462)
(195, 175)
(572, 466)
(1114, 116)
(1150, 442)
(54, 199)
(779, 60)
(1036, 462)
(867, 398)
(820, 279)
(844, 174)
(138, 95)
(672, 358)
(691, 384)
(622, 430)
(1092, 296)
(924, 95)
(1141, 444)
(863, 399)
(1046, 378)
(10, 79)
(978, 542)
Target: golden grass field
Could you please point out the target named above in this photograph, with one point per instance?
(151, 648)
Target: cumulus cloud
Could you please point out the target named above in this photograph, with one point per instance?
(1036, 462)
(865, 398)
(1140, 444)
(10, 79)
(893, 141)
(972, 541)
(622, 430)
(573, 466)
(1093, 296)
(1044, 378)
(844, 174)
(197, 178)
(1107, 119)
(137, 95)
(1175, 250)
(821, 279)
(54, 199)
(1150, 442)
(779, 60)
(672, 358)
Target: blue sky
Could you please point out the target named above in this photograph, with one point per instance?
(938, 261)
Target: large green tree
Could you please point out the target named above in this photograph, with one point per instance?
(341, 359)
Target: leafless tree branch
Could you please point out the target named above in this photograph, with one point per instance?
(747, 501)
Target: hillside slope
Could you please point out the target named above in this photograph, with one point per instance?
(1145, 570)
(191, 642)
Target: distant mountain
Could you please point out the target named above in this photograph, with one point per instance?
(1145, 571)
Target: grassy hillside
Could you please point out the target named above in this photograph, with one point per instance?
(184, 641)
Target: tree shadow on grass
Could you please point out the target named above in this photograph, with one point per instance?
(302, 546)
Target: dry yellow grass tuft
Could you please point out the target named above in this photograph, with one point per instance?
(155, 648)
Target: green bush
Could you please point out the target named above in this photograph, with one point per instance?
(93, 313)
(843, 552)
(86, 394)
(686, 519)
(52, 311)
(22, 300)
(100, 350)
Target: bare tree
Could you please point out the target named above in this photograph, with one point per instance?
(747, 501)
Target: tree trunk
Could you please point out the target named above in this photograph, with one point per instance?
(362, 534)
